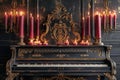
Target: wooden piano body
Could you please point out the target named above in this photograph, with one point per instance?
(61, 62)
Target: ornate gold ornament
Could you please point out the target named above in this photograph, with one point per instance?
(10, 75)
(60, 23)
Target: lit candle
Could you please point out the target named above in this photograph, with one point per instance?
(67, 42)
(17, 21)
(6, 21)
(31, 27)
(83, 28)
(11, 20)
(110, 20)
(38, 24)
(104, 21)
(114, 20)
(21, 24)
(88, 26)
(75, 42)
(97, 26)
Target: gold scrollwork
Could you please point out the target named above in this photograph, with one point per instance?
(61, 55)
(60, 29)
(110, 76)
(10, 75)
(60, 77)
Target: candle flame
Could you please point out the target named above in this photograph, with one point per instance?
(37, 15)
(114, 13)
(30, 14)
(21, 13)
(11, 12)
(109, 12)
(103, 12)
(16, 12)
(88, 13)
(83, 18)
(75, 42)
(45, 42)
(87, 42)
(6, 13)
(97, 13)
(67, 42)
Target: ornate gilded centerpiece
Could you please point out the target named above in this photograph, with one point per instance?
(60, 25)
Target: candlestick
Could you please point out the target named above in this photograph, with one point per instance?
(37, 41)
(67, 42)
(110, 20)
(98, 29)
(104, 21)
(17, 21)
(21, 32)
(83, 28)
(114, 20)
(75, 42)
(31, 27)
(31, 36)
(38, 24)
(88, 31)
(6, 21)
(11, 21)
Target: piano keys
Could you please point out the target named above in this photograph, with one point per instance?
(62, 65)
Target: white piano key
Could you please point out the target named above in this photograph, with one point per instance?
(62, 65)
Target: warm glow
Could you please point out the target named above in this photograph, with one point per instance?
(31, 40)
(75, 42)
(88, 13)
(109, 12)
(30, 14)
(83, 18)
(5, 13)
(103, 12)
(16, 12)
(82, 42)
(37, 42)
(21, 13)
(97, 13)
(45, 42)
(11, 12)
(37, 15)
(114, 13)
(67, 42)
(87, 42)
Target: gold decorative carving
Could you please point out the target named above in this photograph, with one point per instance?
(57, 23)
(98, 77)
(60, 33)
(61, 55)
(10, 75)
(61, 77)
(110, 76)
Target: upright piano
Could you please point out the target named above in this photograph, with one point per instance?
(57, 62)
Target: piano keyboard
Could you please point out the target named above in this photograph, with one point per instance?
(62, 65)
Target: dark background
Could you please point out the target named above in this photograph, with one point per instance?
(73, 6)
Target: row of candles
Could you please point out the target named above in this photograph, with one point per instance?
(100, 21)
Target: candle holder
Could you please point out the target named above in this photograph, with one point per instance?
(31, 42)
(98, 42)
(45, 42)
(21, 41)
(75, 42)
(88, 40)
(37, 41)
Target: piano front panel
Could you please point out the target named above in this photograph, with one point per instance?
(60, 53)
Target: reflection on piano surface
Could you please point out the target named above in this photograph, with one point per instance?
(68, 61)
